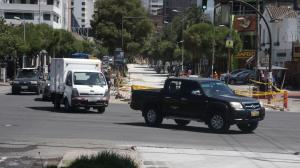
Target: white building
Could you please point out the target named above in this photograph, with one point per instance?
(153, 6)
(51, 12)
(283, 23)
(83, 11)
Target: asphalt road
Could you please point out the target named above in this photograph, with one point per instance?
(29, 125)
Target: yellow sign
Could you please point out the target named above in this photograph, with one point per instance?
(246, 54)
(229, 43)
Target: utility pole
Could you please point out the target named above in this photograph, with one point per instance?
(257, 35)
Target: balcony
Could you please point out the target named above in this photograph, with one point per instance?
(28, 7)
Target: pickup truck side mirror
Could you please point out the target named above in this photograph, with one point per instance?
(196, 93)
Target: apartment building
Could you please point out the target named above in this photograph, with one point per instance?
(51, 12)
(82, 13)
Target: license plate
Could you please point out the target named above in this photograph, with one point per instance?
(24, 87)
(254, 113)
(92, 99)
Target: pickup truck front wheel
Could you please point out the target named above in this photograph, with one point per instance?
(218, 123)
(182, 123)
(153, 117)
(248, 127)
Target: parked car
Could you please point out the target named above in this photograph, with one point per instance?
(198, 99)
(27, 80)
(242, 77)
(225, 76)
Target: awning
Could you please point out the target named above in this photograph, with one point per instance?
(274, 67)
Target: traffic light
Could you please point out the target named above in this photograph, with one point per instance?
(204, 5)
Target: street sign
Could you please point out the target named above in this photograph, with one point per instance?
(229, 44)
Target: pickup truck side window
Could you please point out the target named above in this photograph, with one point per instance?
(174, 87)
(188, 87)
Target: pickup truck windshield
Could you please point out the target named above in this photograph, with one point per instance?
(88, 78)
(27, 74)
(213, 88)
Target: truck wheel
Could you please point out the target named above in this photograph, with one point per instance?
(218, 123)
(153, 117)
(248, 127)
(67, 105)
(182, 123)
(101, 110)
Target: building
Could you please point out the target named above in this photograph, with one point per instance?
(153, 6)
(52, 12)
(170, 6)
(82, 13)
(283, 22)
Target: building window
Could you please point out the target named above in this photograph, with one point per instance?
(82, 20)
(82, 9)
(72, 3)
(12, 15)
(83, 14)
(82, 25)
(47, 16)
(23, 1)
(264, 36)
(282, 55)
(55, 18)
(33, 1)
(83, 3)
(50, 2)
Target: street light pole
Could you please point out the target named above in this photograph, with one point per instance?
(182, 47)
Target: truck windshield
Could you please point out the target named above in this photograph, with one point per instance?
(27, 74)
(213, 88)
(88, 78)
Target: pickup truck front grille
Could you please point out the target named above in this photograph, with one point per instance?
(88, 94)
(251, 106)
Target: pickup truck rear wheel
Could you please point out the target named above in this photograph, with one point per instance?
(248, 127)
(182, 122)
(217, 122)
(153, 117)
(101, 110)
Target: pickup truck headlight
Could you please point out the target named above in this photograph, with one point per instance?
(237, 106)
(75, 93)
(34, 82)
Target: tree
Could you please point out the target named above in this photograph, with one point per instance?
(107, 25)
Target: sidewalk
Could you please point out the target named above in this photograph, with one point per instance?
(161, 157)
(145, 76)
(4, 84)
(196, 158)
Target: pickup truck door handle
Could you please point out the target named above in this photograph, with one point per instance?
(167, 97)
(184, 99)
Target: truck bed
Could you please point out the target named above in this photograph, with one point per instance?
(140, 97)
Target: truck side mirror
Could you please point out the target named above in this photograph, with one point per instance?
(69, 83)
(196, 93)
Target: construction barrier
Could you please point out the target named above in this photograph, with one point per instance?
(139, 87)
(276, 98)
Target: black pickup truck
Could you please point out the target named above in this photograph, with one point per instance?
(198, 99)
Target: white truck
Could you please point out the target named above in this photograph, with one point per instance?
(78, 83)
